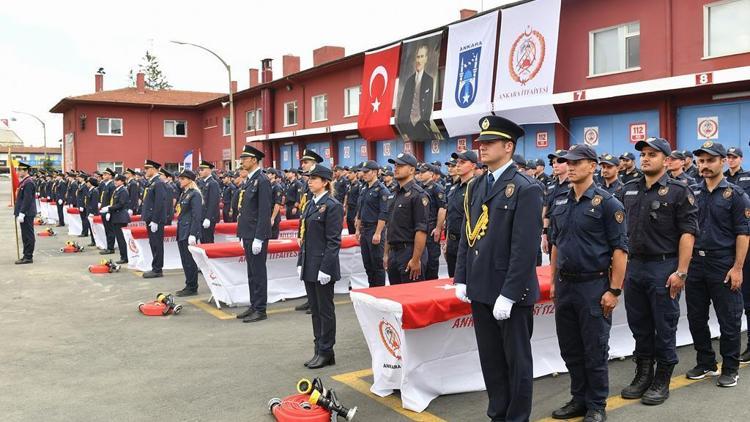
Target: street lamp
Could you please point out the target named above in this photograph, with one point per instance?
(44, 129)
(231, 99)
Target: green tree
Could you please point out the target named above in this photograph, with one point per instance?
(155, 78)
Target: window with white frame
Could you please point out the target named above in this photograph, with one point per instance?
(615, 49)
(320, 108)
(108, 126)
(725, 28)
(290, 113)
(259, 119)
(176, 128)
(351, 101)
(114, 165)
(226, 127)
(250, 119)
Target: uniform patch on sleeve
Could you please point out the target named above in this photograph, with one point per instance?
(596, 200)
(425, 201)
(440, 195)
(727, 193)
(663, 191)
(619, 217)
(509, 189)
(747, 212)
(385, 197)
(691, 199)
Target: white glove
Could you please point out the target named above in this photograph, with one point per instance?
(191, 240)
(257, 245)
(323, 278)
(48, 198)
(108, 216)
(299, 272)
(98, 204)
(154, 227)
(130, 212)
(80, 209)
(206, 223)
(20, 217)
(502, 308)
(461, 292)
(59, 201)
(104, 210)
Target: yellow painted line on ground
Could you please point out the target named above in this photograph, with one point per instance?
(354, 380)
(291, 308)
(207, 307)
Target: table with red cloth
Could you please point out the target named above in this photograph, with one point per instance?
(422, 342)
(48, 210)
(100, 237)
(225, 270)
(73, 221)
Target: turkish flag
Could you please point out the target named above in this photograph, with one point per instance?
(376, 99)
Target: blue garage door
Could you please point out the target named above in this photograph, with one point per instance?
(289, 156)
(538, 141)
(323, 149)
(611, 133)
(388, 149)
(352, 151)
(441, 150)
(727, 123)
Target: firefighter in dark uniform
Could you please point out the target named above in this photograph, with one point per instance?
(715, 273)
(435, 218)
(25, 211)
(106, 191)
(737, 175)
(690, 168)
(227, 192)
(341, 184)
(210, 192)
(588, 260)
(277, 193)
(629, 171)
(116, 213)
(239, 178)
(72, 193)
(407, 228)
(318, 261)
(496, 269)
(293, 194)
(465, 165)
(91, 204)
(662, 223)
(59, 192)
(609, 177)
(167, 177)
(734, 162)
(675, 162)
(253, 228)
(155, 214)
(539, 173)
(308, 161)
(134, 192)
(352, 199)
(372, 214)
(189, 217)
(557, 185)
(83, 191)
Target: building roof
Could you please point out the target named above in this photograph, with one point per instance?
(131, 96)
(33, 150)
(8, 137)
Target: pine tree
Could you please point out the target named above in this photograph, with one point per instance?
(149, 66)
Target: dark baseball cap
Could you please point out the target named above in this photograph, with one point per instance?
(580, 152)
(659, 144)
(518, 160)
(321, 171)
(736, 151)
(677, 155)
(711, 147)
(557, 154)
(688, 153)
(539, 162)
(468, 155)
(406, 159)
(369, 165)
(609, 159)
(627, 156)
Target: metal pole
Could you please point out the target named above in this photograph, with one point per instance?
(44, 131)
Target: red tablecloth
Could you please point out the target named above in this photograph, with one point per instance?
(228, 250)
(72, 210)
(429, 302)
(133, 219)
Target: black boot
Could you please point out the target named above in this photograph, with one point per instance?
(247, 312)
(313, 359)
(303, 307)
(658, 393)
(644, 375)
(572, 409)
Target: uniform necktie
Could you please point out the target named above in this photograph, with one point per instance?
(490, 182)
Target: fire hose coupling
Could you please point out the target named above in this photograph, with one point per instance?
(332, 404)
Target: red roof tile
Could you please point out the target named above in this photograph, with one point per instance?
(130, 96)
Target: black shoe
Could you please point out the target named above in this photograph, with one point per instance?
(322, 361)
(728, 378)
(745, 357)
(308, 312)
(700, 372)
(107, 252)
(644, 375)
(247, 312)
(572, 409)
(313, 359)
(255, 316)
(83, 235)
(658, 393)
(595, 416)
(303, 307)
(60, 225)
(186, 292)
(24, 261)
(92, 244)
(152, 274)
(122, 261)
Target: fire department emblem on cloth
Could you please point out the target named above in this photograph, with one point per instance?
(526, 56)
(390, 338)
(596, 200)
(467, 77)
(509, 190)
(663, 191)
(727, 193)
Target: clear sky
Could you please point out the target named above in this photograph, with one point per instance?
(51, 49)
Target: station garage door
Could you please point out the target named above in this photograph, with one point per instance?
(614, 133)
(352, 151)
(727, 123)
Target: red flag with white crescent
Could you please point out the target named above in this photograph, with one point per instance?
(376, 99)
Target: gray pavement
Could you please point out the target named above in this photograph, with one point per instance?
(74, 347)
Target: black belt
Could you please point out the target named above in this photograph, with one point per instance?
(396, 246)
(363, 224)
(581, 277)
(716, 253)
(653, 258)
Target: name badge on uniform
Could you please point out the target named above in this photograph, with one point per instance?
(561, 201)
(408, 194)
(696, 192)
(744, 179)
(631, 193)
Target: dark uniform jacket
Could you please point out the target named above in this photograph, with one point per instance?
(91, 202)
(155, 198)
(189, 215)
(71, 193)
(321, 239)
(106, 189)
(25, 199)
(210, 191)
(134, 195)
(81, 194)
(255, 204)
(118, 208)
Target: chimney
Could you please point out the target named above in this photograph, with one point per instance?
(327, 54)
(289, 64)
(234, 86)
(253, 77)
(467, 13)
(98, 82)
(140, 83)
(266, 74)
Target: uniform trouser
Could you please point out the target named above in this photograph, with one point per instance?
(372, 255)
(350, 220)
(257, 277)
(323, 312)
(583, 336)
(398, 258)
(505, 357)
(109, 232)
(85, 224)
(60, 214)
(156, 243)
(451, 252)
(652, 313)
(121, 245)
(433, 257)
(189, 265)
(225, 214)
(207, 235)
(291, 215)
(27, 236)
(746, 293)
(275, 227)
(705, 285)
(91, 232)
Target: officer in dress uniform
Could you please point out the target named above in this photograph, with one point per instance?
(293, 195)
(91, 204)
(253, 228)
(210, 192)
(435, 218)
(25, 211)
(496, 269)
(308, 161)
(277, 193)
(465, 165)
(734, 162)
(352, 199)
(239, 177)
(588, 260)
(609, 177)
(60, 191)
(227, 192)
(407, 228)
(318, 261)
(72, 193)
(116, 213)
(629, 170)
(662, 223)
(134, 192)
(156, 196)
(189, 218)
(372, 214)
(106, 190)
(83, 191)
(715, 273)
(675, 162)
